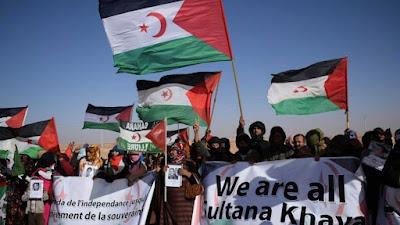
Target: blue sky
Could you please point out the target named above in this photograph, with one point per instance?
(55, 57)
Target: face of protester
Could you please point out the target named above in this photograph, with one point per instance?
(381, 136)
(277, 138)
(257, 131)
(215, 145)
(298, 142)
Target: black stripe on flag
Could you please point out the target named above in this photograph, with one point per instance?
(185, 79)
(10, 111)
(318, 69)
(33, 129)
(109, 8)
(105, 111)
(7, 133)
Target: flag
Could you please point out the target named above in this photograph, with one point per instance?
(321, 87)
(43, 133)
(158, 134)
(180, 98)
(3, 154)
(153, 36)
(13, 117)
(133, 137)
(17, 168)
(107, 118)
(173, 135)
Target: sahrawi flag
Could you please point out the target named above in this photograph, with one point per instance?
(151, 36)
(107, 118)
(132, 137)
(13, 117)
(179, 98)
(321, 87)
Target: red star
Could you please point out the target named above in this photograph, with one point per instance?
(165, 94)
(143, 28)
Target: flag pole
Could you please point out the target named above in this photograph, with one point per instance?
(232, 60)
(347, 100)
(165, 156)
(213, 106)
(101, 138)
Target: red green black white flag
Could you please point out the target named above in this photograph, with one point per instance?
(152, 36)
(106, 118)
(182, 98)
(13, 117)
(321, 87)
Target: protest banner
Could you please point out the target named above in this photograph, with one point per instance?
(298, 191)
(82, 200)
(389, 206)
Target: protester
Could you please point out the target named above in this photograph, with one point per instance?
(35, 207)
(92, 159)
(301, 150)
(278, 150)
(259, 147)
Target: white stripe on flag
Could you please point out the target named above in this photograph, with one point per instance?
(305, 88)
(124, 32)
(167, 94)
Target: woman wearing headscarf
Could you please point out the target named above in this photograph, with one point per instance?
(91, 159)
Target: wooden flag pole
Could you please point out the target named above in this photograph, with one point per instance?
(165, 157)
(213, 107)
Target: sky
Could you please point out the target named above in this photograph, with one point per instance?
(55, 58)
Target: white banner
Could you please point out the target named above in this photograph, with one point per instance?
(298, 191)
(81, 200)
(389, 207)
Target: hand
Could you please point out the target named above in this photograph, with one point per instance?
(196, 127)
(241, 122)
(184, 172)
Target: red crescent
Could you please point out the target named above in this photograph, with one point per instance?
(163, 23)
(170, 94)
(140, 137)
(107, 119)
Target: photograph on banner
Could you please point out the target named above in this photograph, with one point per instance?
(172, 178)
(36, 189)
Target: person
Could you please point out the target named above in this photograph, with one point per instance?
(278, 150)
(301, 150)
(243, 144)
(136, 166)
(315, 141)
(92, 158)
(35, 207)
(259, 147)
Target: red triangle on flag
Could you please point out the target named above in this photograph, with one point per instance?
(18, 119)
(49, 138)
(158, 134)
(125, 115)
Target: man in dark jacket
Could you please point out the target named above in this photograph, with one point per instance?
(259, 147)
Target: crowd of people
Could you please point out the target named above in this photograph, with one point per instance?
(86, 161)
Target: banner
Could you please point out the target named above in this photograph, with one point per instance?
(389, 206)
(132, 137)
(297, 191)
(81, 200)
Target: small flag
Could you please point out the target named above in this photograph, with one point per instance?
(18, 168)
(181, 134)
(133, 137)
(152, 36)
(180, 98)
(158, 135)
(107, 118)
(321, 87)
(13, 117)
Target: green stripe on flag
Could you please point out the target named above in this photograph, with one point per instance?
(167, 55)
(146, 147)
(174, 113)
(32, 152)
(104, 126)
(305, 106)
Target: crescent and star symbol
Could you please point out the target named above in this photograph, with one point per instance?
(167, 94)
(136, 137)
(300, 89)
(104, 119)
(163, 24)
